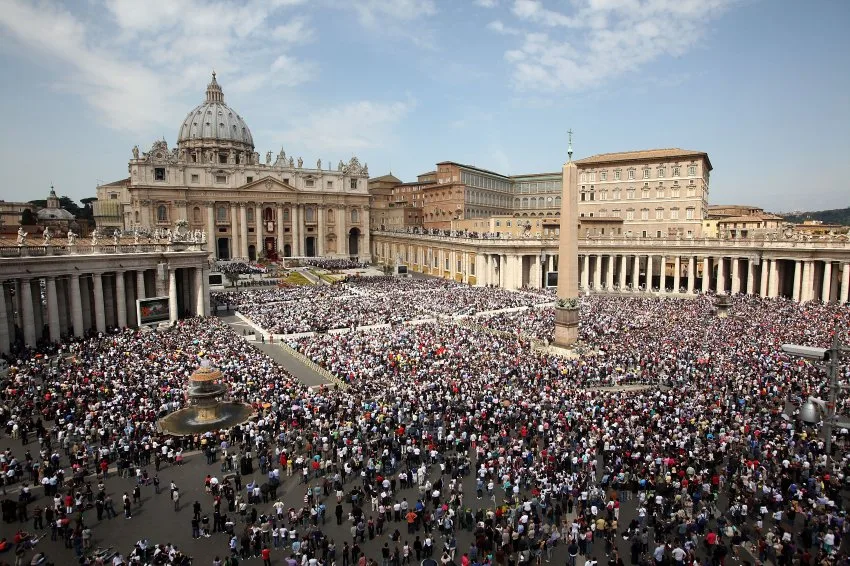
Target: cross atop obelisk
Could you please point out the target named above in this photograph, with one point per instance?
(570, 146)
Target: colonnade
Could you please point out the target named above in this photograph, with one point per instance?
(73, 295)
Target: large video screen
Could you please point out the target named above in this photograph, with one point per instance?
(552, 279)
(216, 279)
(152, 310)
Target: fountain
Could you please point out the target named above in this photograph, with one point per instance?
(207, 411)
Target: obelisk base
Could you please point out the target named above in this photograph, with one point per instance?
(566, 327)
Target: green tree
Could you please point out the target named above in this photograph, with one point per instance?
(28, 218)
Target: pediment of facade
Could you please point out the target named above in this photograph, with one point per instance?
(269, 184)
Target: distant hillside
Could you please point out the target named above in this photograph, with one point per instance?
(835, 216)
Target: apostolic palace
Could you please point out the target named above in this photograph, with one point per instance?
(644, 225)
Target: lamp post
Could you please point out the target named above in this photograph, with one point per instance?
(814, 409)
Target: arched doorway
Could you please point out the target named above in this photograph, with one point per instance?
(287, 250)
(354, 242)
(252, 253)
(223, 246)
(310, 246)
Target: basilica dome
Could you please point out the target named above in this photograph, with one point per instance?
(214, 121)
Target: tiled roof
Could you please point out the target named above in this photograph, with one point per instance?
(121, 183)
(642, 154)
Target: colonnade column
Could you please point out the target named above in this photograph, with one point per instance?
(795, 292)
(37, 311)
(585, 272)
(211, 243)
(706, 274)
(765, 275)
(609, 276)
(736, 275)
(172, 294)
(234, 231)
(296, 230)
(243, 230)
(5, 342)
(200, 297)
(635, 272)
(845, 283)
(805, 284)
(662, 275)
(366, 234)
(99, 314)
(774, 278)
(751, 275)
(649, 273)
(76, 306)
(597, 273)
(121, 299)
(624, 266)
(692, 273)
(721, 275)
(677, 274)
(53, 310)
(826, 287)
(25, 305)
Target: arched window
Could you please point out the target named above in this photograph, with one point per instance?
(558, 202)
(525, 202)
(355, 215)
(196, 214)
(309, 214)
(221, 214)
(268, 214)
(161, 213)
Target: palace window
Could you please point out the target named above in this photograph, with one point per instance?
(159, 174)
(644, 193)
(352, 183)
(603, 176)
(630, 214)
(659, 214)
(661, 172)
(644, 214)
(646, 173)
(631, 174)
(161, 213)
(676, 171)
(616, 175)
(630, 194)
(675, 192)
(692, 170)
(674, 214)
(689, 213)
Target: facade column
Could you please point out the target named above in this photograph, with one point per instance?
(751, 276)
(609, 276)
(76, 307)
(774, 278)
(99, 313)
(172, 293)
(662, 275)
(243, 230)
(635, 272)
(62, 290)
(296, 230)
(721, 275)
(692, 273)
(121, 299)
(37, 310)
(624, 267)
(259, 226)
(677, 273)
(320, 229)
(53, 310)
(25, 305)
(845, 283)
(736, 275)
(597, 273)
(200, 298)
(342, 226)
(585, 272)
(826, 287)
(649, 273)
(706, 274)
(805, 284)
(366, 235)
(212, 244)
(140, 284)
(234, 231)
(5, 342)
(279, 225)
(795, 293)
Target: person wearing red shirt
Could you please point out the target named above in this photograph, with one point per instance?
(267, 556)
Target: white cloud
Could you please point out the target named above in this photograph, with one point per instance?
(486, 3)
(354, 126)
(133, 66)
(373, 12)
(499, 27)
(601, 39)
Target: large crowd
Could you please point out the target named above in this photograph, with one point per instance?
(708, 461)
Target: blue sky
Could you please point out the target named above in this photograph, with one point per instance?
(762, 85)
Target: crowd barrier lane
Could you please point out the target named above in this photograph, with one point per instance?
(312, 365)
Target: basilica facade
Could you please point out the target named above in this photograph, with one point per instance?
(248, 207)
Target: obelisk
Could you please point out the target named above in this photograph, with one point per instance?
(566, 311)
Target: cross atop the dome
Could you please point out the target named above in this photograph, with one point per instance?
(213, 75)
